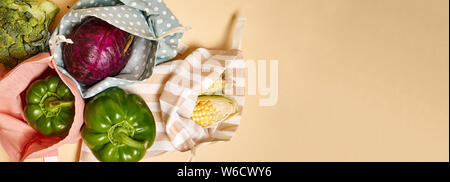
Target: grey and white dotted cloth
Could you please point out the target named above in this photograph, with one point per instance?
(149, 20)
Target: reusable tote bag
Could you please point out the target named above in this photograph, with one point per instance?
(156, 30)
(17, 137)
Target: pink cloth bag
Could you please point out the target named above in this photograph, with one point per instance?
(18, 139)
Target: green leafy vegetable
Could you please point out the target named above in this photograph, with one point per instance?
(24, 29)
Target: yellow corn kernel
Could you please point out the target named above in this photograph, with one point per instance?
(203, 113)
(210, 110)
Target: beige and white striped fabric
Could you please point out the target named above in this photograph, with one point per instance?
(171, 93)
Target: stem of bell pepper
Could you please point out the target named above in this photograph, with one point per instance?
(55, 105)
(121, 136)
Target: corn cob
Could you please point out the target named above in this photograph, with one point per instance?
(210, 110)
(216, 87)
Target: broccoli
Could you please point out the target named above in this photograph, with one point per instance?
(24, 29)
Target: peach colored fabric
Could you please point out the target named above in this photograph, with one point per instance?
(18, 139)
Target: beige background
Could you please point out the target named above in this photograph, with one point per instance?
(359, 80)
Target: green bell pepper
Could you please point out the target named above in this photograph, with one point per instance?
(119, 127)
(50, 107)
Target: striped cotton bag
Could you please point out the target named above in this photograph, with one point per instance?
(171, 93)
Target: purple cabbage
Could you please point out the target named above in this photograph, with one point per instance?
(99, 50)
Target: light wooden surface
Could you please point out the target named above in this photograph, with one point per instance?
(359, 80)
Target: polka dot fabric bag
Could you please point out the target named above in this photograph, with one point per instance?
(156, 30)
